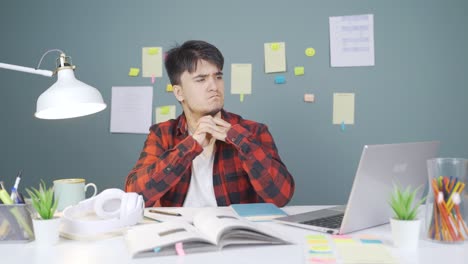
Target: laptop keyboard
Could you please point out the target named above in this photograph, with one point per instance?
(329, 222)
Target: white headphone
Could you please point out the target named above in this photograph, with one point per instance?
(108, 211)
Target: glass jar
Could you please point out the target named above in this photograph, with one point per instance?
(446, 211)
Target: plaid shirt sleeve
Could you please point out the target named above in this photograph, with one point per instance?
(160, 167)
(260, 159)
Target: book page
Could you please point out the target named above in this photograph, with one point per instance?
(159, 238)
(226, 225)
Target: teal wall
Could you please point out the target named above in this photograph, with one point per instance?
(416, 91)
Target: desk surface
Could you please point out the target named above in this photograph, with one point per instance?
(113, 250)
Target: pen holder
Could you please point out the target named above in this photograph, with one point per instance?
(446, 211)
(15, 223)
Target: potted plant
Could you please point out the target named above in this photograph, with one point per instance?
(46, 225)
(404, 224)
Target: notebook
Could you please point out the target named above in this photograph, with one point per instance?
(379, 168)
(258, 211)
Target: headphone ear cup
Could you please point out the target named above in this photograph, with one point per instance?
(108, 204)
(129, 203)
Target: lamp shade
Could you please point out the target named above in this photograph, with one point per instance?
(68, 98)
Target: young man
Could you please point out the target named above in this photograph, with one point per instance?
(207, 156)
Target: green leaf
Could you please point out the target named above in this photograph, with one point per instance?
(402, 202)
(43, 200)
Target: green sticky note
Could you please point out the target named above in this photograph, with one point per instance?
(169, 88)
(134, 72)
(275, 46)
(242, 97)
(298, 71)
(153, 51)
(310, 52)
(165, 110)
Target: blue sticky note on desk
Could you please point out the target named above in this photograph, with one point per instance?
(258, 211)
(280, 79)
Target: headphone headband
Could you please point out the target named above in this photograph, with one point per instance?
(110, 211)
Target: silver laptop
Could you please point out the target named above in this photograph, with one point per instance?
(379, 168)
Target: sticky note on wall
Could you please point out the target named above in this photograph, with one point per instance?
(343, 108)
(275, 57)
(134, 72)
(164, 113)
(280, 79)
(241, 78)
(298, 70)
(151, 62)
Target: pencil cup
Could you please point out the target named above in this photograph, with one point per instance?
(15, 223)
(446, 210)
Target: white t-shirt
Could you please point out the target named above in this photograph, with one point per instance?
(201, 191)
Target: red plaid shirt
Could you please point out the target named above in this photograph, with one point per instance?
(247, 167)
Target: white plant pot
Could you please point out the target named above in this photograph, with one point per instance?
(46, 232)
(405, 233)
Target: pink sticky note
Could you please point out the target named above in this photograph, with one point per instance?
(152, 79)
(179, 247)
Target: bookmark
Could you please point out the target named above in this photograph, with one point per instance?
(179, 247)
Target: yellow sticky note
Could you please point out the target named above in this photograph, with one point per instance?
(134, 72)
(343, 108)
(310, 52)
(298, 71)
(275, 57)
(321, 248)
(151, 62)
(317, 241)
(241, 78)
(275, 46)
(164, 113)
(316, 236)
(153, 51)
(169, 88)
(165, 110)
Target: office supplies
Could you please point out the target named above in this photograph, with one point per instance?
(103, 215)
(212, 229)
(14, 189)
(4, 196)
(68, 97)
(15, 223)
(379, 167)
(258, 211)
(164, 212)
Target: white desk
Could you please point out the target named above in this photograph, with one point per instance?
(114, 250)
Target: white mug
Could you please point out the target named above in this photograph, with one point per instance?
(71, 191)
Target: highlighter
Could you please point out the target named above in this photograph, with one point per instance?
(4, 196)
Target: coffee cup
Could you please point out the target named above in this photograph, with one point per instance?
(71, 191)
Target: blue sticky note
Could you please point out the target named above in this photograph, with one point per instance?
(280, 79)
(371, 241)
(342, 126)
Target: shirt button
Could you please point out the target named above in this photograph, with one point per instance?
(168, 169)
(233, 139)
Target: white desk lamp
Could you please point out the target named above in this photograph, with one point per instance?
(67, 97)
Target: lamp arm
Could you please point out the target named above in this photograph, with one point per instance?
(26, 69)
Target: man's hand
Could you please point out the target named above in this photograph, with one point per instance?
(209, 127)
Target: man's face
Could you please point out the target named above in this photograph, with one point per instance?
(202, 91)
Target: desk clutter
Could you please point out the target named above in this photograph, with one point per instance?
(213, 229)
(345, 249)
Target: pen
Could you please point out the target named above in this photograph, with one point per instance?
(164, 212)
(14, 189)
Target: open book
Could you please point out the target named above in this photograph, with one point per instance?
(212, 229)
